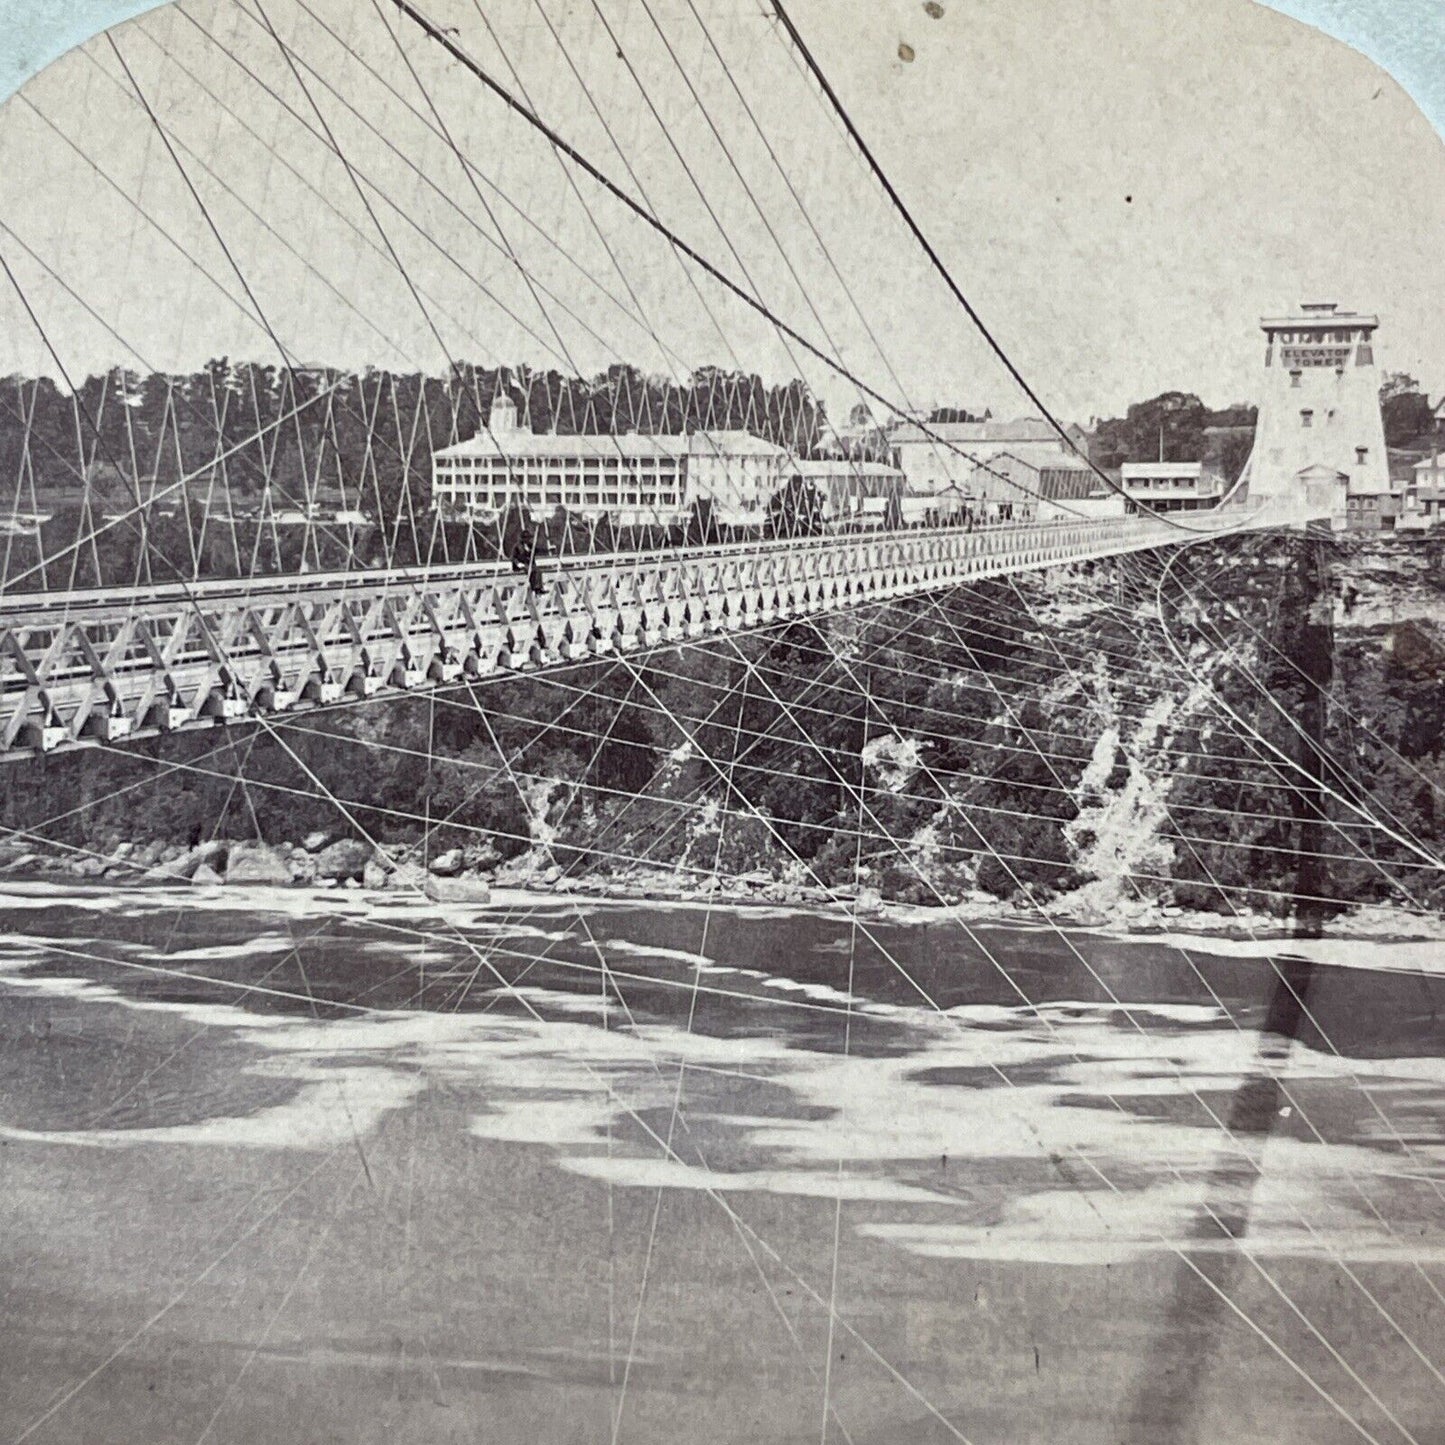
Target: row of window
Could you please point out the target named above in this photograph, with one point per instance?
(475, 465)
(1319, 337)
(1164, 484)
(540, 497)
(555, 487)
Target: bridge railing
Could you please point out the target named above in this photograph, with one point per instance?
(95, 666)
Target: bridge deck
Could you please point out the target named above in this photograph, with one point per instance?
(81, 668)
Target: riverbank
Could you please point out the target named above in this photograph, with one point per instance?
(324, 864)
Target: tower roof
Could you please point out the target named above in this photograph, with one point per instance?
(1323, 314)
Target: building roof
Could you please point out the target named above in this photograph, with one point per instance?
(1021, 429)
(1061, 478)
(545, 444)
(1323, 314)
(1431, 464)
(1161, 469)
(841, 467)
(632, 445)
(732, 444)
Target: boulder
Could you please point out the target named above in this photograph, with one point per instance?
(206, 877)
(301, 865)
(211, 855)
(480, 854)
(408, 878)
(346, 858)
(870, 902)
(373, 876)
(458, 890)
(256, 863)
(448, 864)
(315, 842)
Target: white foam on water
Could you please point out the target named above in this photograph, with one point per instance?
(17, 896)
(1417, 955)
(414, 953)
(819, 992)
(58, 987)
(987, 1013)
(649, 950)
(1055, 1011)
(21, 950)
(578, 1121)
(526, 930)
(888, 1123)
(261, 946)
(555, 1000)
(205, 1015)
(1073, 1227)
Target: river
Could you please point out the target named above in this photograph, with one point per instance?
(325, 1166)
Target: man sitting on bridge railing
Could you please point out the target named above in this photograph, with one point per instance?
(531, 546)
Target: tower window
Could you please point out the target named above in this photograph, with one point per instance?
(1294, 378)
(1306, 418)
(1362, 455)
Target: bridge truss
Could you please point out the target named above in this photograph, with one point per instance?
(78, 667)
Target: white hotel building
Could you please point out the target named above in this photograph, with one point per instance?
(637, 480)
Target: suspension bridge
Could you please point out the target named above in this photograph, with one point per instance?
(123, 660)
(1062, 720)
(105, 665)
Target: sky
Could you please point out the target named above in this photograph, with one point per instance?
(1122, 187)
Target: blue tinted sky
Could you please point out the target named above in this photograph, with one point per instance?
(1407, 37)
(1193, 165)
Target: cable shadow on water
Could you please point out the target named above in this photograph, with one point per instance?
(1166, 1406)
(1164, 1409)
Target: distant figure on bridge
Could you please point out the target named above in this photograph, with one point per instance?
(526, 555)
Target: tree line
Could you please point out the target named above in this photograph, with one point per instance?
(145, 477)
(1176, 426)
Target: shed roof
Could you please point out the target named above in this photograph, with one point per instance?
(1021, 429)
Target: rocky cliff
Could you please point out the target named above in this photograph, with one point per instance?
(1123, 738)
